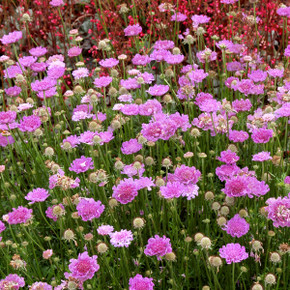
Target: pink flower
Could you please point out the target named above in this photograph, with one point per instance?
(130, 147)
(140, 283)
(158, 90)
(158, 246)
(262, 135)
(150, 107)
(104, 230)
(40, 285)
(12, 281)
(12, 37)
(109, 62)
(74, 51)
(164, 44)
(84, 267)
(236, 186)
(49, 212)
(7, 117)
(47, 254)
(122, 238)
(228, 157)
(37, 195)
(233, 253)
(237, 226)
(133, 30)
(262, 156)
(130, 109)
(125, 191)
(82, 164)
(172, 190)
(38, 51)
(56, 3)
(187, 175)
(2, 227)
(102, 82)
(278, 210)
(238, 136)
(242, 105)
(19, 215)
(89, 209)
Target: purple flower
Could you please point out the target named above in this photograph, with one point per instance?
(284, 111)
(43, 85)
(139, 59)
(278, 210)
(197, 76)
(38, 66)
(225, 172)
(262, 156)
(89, 209)
(237, 226)
(40, 285)
(125, 191)
(7, 117)
(159, 54)
(258, 75)
(233, 253)
(287, 51)
(179, 17)
(38, 51)
(102, 81)
(262, 135)
(74, 51)
(236, 186)
(130, 109)
(140, 283)
(133, 30)
(50, 214)
(109, 62)
(276, 73)
(122, 238)
(164, 44)
(2, 227)
(287, 180)
(37, 195)
(105, 230)
(158, 90)
(229, 1)
(12, 281)
(55, 72)
(82, 164)
(12, 71)
(12, 37)
(174, 58)
(199, 19)
(29, 123)
(56, 3)
(234, 66)
(210, 106)
(242, 105)
(206, 55)
(13, 91)
(187, 175)
(84, 267)
(80, 73)
(130, 84)
(27, 61)
(238, 136)
(228, 157)
(130, 147)
(19, 215)
(172, 190)
(158, 246)
(150, 107)
(73, 140)
(6, 140)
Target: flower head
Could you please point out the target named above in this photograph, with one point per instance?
(233, 253)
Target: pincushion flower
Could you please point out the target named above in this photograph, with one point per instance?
(199, 19)
(172, 190)
(7, 117)
(109, 62)
(262, 135)
(122, 238)
(233, 253)
(125, 191)
(228, 157)
(2, 227)
(37, 195)
(278, 210)
(40, 285)
(130, 147)
(82, 164)
(187, 175)
(12, 281)
(150, 107)
(102, 82)
(80, 73)
(164, 44)
(38, 51)
(258, 75)
(140, 283)
(179, 17)
(11, 37)
(262, 156)
(236, 186)
(237, 226)
(104, 230)
(74, 51)
(139, 59)
(13, 91)
(19, 215)
(158, 246)
(56, 3)
(84, 267)
(133, 30)
(50, 212)
(89, 209)
(238, 136)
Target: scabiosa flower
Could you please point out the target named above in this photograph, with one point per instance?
(12, 281)
(287, 180)
(278, 210)
(158, 246)
(187, 175)
(56, 3)
(172, 190)
(150, 107)
(37, 195)
(262, 156)
(258, 75)
(262, 135)
(130, 147)
(229, 1)
(74, 51)
(12, 71)
(84, 267)
(13, 91)
(126, 98)
(197, 76)
(210, 106)
(130, 109)
(242, 105)
(102, 82)
(140, 283)
(158, 90)
(2, 227)
(29, 123)
(80, 73)
(82, 164)
(179, 17)
(43, 85)
(234, 66)
(51, 214)
(109, 62)
(104, 230)
(47, 254)
(12, 37)
(133, 30)
(159, 54)
(225, 172)
(130, 84)
(125, 191)
(236, 186)
(284, 111)
(287, 50)
(206, 55)
(131, 171)
(164, 44)
(228, 157)
(89, 209)
(147, 77)
(38, 66)
(40, 285)
(237, 226)
(27, 61)
(199, 19)
(6, 140)
(238, 136)
(38, 51)
(233, 253)
(122, 238)
(73, 140)
(174, 58)
(7, 117)
(276, 73)
(139, 59)
(19, 215)
(55, 72)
